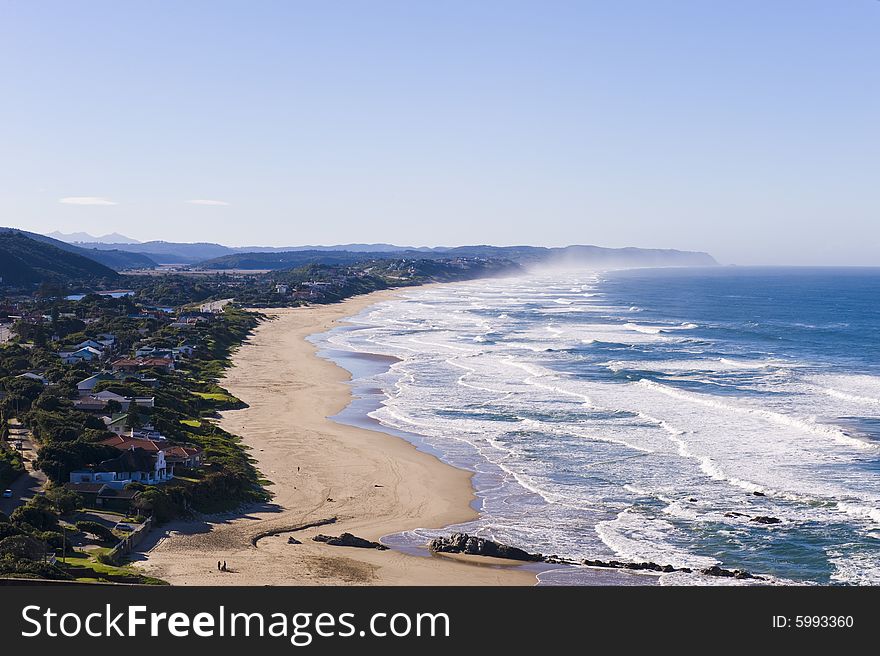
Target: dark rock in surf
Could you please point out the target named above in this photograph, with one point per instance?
(715, 570)
(764, 519)
(759, 494)
(462, 543)
(349, 540)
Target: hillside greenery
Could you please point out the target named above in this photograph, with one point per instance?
(27, 262)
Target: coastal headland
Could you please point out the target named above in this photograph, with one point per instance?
(326, 478)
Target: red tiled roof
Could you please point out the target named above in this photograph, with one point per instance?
(156, 362)
(183, 452)
(124, 443)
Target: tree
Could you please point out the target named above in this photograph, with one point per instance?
(64, 500)
(38, 514)
(100, 531)
(134, 418)
(25, 388)
(58, 460)
(22, 546)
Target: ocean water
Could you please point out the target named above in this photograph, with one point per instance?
(634, 414)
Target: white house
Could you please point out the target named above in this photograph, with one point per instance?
(125, 401)
(90, 343)
(184, 350)
(33, 376)
(132, 466)
(85, 387)
(153, 352)
(86, 354)
(90, 476)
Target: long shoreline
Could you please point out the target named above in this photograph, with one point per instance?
(369, 482)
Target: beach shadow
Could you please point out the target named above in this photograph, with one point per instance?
(200, 526)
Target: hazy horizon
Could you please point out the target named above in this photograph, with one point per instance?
(746, 130)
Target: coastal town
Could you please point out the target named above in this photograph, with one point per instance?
(107, 426)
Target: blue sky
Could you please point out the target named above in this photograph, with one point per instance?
(747, 128)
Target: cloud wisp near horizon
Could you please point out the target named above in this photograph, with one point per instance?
(86, 200)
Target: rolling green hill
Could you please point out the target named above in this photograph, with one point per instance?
(116, 259)
(25, 261)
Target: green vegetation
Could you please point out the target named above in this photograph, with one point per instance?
(161, 317)
(93, 567)
(100, 531)
(25, 261)
(186, 400)
(115, 259)
(11, 466)
(34, 532)
(324, 283)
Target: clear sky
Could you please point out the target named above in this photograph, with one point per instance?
(747, 128)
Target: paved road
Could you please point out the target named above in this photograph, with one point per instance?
(29, 483)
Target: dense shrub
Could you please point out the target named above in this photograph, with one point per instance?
(31, 569)
(98, 530)
(38, 513)
(64, 500)
(11, 466)
(22, 547)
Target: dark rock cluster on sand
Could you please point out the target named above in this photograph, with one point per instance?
(349, 540)
(463, 543)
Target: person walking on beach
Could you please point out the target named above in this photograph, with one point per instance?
(218, 565)
(224, 566)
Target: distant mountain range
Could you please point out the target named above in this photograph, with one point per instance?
(121, 256)
(166, 252)
(86, 238)
(524, 255)
(210, 255)
(25, 261)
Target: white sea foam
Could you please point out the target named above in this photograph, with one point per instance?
(601, 465)
(631, 537)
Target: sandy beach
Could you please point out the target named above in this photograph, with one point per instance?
(372, 483)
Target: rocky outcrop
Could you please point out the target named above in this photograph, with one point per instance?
(764, 519)
(349, 540)
(732, 573)
(616, 564)
(462, 543)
